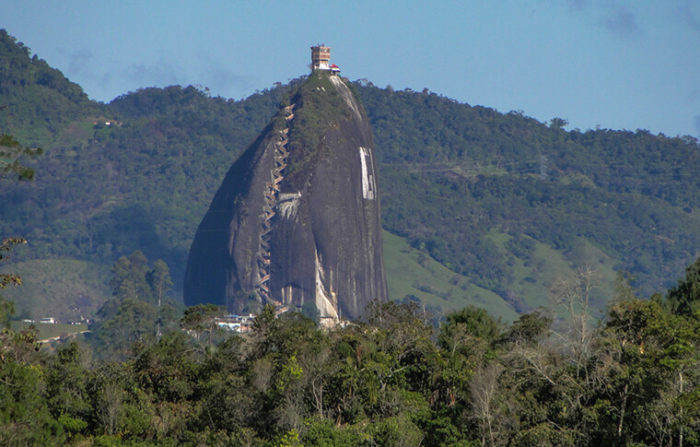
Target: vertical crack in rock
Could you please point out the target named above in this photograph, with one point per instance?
(368, 185)
(326, 300)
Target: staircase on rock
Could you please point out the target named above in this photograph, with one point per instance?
(272, 193)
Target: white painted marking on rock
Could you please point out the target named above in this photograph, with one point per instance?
(368, 186)
(288, 204)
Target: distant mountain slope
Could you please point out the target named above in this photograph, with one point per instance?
(498, 198)
(452, 173)
(40, 100)
(66, 289)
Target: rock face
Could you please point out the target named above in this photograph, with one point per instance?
(296, 220)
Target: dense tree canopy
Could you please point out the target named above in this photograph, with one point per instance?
(391, 380)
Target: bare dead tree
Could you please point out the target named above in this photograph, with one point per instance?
(484, 391)
(573, 296)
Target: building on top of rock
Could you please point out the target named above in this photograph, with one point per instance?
(320, 59)
(295, 223)
(320, 56)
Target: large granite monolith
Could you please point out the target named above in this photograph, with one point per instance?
(296, 221)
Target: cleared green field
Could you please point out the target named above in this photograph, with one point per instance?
(65, 289)
(535, 277)
(412, 272)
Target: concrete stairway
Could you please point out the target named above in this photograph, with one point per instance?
(272, 188)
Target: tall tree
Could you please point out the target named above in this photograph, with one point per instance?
(12, 156)
(139, 307)
(6, 279)
(684, 299)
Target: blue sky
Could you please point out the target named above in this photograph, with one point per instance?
(609, 63)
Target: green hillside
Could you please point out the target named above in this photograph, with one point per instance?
(499, 204)
(39, 101)
(412, 274)
(65, 289)
(451, 174)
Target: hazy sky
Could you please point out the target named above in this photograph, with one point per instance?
(617, 64)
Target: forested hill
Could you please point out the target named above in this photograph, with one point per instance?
(458, 179)
(502, 199)
(39, 101)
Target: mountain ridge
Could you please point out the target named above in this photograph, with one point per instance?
(451, 175)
